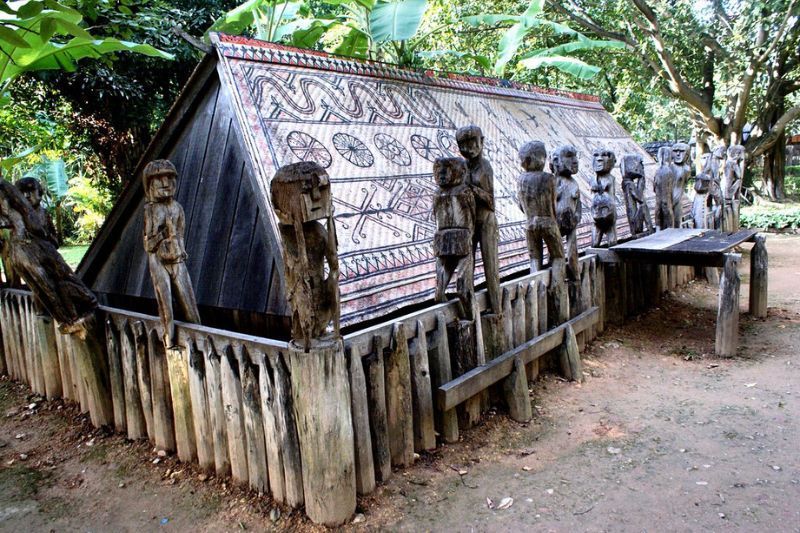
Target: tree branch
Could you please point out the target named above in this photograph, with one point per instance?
(771, 137)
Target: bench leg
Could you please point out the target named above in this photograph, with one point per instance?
(728, 312)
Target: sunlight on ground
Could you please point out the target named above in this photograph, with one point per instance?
(73, 254)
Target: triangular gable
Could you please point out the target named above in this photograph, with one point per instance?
(377, 130)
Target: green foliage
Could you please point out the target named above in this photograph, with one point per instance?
(396, 21)
(90, 206)
(272, 20)
(770, 217)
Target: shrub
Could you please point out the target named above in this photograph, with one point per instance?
(770, 217)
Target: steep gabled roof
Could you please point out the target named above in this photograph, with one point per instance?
(377, 130)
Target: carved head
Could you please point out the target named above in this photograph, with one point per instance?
(449, 171)
(719, 152)
(665, 155)
(160, 180)
(532, 156)
(470, 141)
(32, 189)
(680, 151)
(564, 161)
(603, 160)
(736, 152)
(301, 192)
(632, 166)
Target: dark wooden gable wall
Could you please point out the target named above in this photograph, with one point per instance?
(232, 258)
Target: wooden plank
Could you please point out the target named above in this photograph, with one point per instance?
(216, 408)
(38, 384)
(253, 424)
(7, 333)
(399, 414)
(714, 241)
(272, 439)
(454, 392)
(239, 243)
(90, 358)
(142, 343)
(519, 319)
(441, 373)
(571, 367)
(759, 268)
(659, 240)
(183, 423)
(200, 416)
(134, 415)
(234, 421)
(50, 364)
(424, 431)
(287, 431)
(515, 390)
(365, 466)
(116, 376)
(379, 425)
(541, 300)
(163, 425)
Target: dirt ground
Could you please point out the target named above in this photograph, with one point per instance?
(662, 436)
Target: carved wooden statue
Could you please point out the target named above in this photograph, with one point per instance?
(537, 197)
(715, 200)
(166, 252)
(604, 201)
(633, 186)
(664, 185)
(32, 190)
(454, 211)
(481, 179)
(37, 261)
(702, 185)
(564, 163)
(734, 173)
(301, 197)
(683, 169)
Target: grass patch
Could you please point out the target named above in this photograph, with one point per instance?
(73, 254)
(18, 483)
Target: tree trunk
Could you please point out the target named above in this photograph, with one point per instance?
(775, 169)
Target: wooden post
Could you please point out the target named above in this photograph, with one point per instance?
(178, 376)
(287, 431)
(142, 343)
(253, 424)
(116, 376)
(50, 364)
(321, 395)
(234, 423)
(571, 366)
(727, 339)
(365, 467)
(461, 340)
(376, 393)
(134, 416)
(494, 339)
(508, 326)
(93, 371)
(163, 429)
(5, 359)
(424, 432)
(399, 414)
(519, 318)
(273, 439)
(200, 416)
(759, 265)
(216, 409)
(541, 301)
(441, 373)
(67, 387)
(515, 389)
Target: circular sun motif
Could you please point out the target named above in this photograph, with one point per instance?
(353, 150)
(447, 143)
(307, 148)
(425, 147)
(392, 149)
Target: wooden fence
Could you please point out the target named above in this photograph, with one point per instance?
(224, 399)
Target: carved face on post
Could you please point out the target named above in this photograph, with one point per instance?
(305, 193)
(665, 155)
(680, 151)
(449, 172)
(603, 160)
(32, 189)
(564, 161)
(160, 181)
(632, 166)
(532, 156)
(470, 141)
(736, 153)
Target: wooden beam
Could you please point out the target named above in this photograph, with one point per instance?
(476, 380)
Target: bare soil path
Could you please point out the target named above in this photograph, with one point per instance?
(662, 436)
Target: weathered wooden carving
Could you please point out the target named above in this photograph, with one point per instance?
(715, 200)
(301, 197)
(32, 190)
(37, 261)
(481, 180)
(454, 211)
(564, 163)
(683, 169)
(734, 173)
(702, 185)
(537, 198)
(633, 186)
(166, 252)
(604, 201)
(663, 185)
